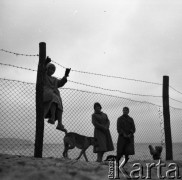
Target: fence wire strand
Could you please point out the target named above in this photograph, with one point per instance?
(18, 120)
(108, 76)
(88, 85)
(17, 128)
(18, 54)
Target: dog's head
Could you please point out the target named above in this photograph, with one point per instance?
(93, 141)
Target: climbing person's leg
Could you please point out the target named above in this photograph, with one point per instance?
(60, 126)
(53, 112)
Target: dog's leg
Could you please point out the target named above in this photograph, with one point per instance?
(65, 152)
(82, 151)
(85, 156)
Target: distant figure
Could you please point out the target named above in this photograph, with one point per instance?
(126, 130)
(101, 132)
(155, 152)
(53, 107)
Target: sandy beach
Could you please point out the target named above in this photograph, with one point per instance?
(16, 167)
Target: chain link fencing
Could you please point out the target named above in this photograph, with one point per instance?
(18, 120)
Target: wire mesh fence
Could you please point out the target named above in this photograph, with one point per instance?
(18, 120)
(18, 111)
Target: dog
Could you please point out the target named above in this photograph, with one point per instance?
(72, 140)
(156, 153)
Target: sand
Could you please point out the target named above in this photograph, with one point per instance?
(15, 167)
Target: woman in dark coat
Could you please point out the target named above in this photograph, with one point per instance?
(101, 132)
(126, 130)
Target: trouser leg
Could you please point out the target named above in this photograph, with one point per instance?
(126, 159)
(60, 126)
(100, 156)
(53, 111)
(119, 156)
(59, 115)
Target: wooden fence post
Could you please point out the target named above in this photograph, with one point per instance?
(166, 113)
(39, 133)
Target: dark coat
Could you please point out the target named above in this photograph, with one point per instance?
(102, 133)
(125, 125)
(51, 94)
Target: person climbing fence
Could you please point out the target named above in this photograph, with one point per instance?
(53, 106)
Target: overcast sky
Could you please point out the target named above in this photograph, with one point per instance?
(133, 39)
(137, 39)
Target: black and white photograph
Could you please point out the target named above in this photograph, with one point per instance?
(90, 89)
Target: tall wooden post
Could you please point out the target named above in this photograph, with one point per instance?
(166, 113)
(39, 133)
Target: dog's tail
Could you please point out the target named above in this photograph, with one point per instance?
(65, 131)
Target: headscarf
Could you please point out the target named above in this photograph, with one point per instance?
(49, 65)
(97, 104)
